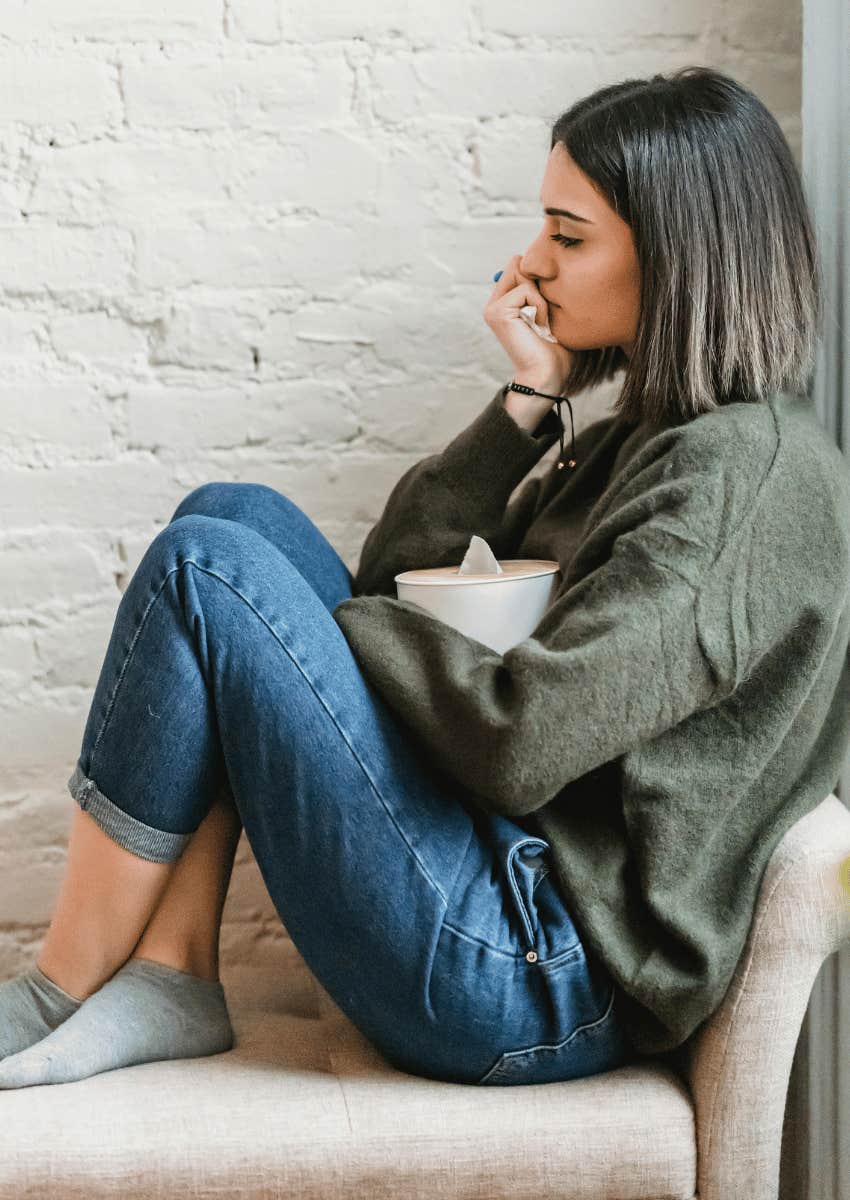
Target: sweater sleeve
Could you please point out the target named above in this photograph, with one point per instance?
(442, 500)
(617, 659)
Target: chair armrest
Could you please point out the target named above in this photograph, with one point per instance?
(738, 1063)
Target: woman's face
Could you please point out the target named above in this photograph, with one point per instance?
(593, 287)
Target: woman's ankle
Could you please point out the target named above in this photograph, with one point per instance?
(180, 960)
(79, 986)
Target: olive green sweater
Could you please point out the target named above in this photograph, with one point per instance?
(684, 699)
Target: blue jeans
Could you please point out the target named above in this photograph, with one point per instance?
(434, 926)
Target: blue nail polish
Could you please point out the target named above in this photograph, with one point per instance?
(497, 276)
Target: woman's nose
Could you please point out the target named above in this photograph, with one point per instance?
(534, 276)
(532, 265)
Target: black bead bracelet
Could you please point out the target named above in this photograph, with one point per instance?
(559, 400)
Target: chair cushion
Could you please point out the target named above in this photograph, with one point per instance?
(304, 1106)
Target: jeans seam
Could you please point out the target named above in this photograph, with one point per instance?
(609, 1004)
(500, 1068)
(128, 656)
(521, 906)
(477, 941)
(574, 951)
(214, 574)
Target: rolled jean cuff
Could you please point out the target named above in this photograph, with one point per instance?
(156, 845)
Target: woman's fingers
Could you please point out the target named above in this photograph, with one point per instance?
(537, 356)
(512, 279)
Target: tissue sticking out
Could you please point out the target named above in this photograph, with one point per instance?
(529, 315)
(479, 559)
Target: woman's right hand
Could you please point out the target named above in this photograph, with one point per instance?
(537, 363)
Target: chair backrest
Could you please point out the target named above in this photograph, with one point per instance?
(738, 1063)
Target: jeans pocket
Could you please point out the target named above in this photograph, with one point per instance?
(548, 935)
(596, 1044)
(525, 867)
(546, 930)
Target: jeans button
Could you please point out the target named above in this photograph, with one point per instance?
(531, 956)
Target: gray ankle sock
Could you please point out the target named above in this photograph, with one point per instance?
(31, 1007)
(145, 1012)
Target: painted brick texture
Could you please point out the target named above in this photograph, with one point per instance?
(252, 240)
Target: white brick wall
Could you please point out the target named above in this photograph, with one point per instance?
(189, 185)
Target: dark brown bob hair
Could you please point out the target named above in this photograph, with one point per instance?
(731, 285)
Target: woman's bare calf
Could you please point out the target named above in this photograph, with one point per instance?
(113, 905)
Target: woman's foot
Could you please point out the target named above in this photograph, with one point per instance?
(145, 1013)
(31, 1007)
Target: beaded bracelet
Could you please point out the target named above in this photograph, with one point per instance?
(559, 400)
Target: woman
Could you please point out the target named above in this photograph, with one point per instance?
(504, 869)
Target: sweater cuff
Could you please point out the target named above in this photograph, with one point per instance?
(493, 453)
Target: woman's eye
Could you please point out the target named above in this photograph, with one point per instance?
(564, 241)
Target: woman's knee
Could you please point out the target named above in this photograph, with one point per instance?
(278, 519)
(230, 500)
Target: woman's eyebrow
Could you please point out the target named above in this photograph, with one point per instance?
(565, 212)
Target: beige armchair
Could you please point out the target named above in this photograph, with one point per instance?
(303, 1106)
